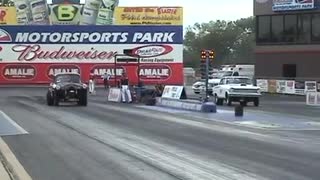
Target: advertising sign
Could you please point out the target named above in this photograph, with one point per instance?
(299, 87)
(148, 16)
(65, 14)
(263, 84)
(290, 87)
(106, 11)
(291, 5)
(114, 95)
(172, 92)
(50, 50)
(8, 16)
(39, 11)
(90, 12)
(23, 11)
(311, 86)
(272, 86)
(281, 86)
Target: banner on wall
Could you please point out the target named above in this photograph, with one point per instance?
(291, 5)
(263, 84)
(23, 10)
(65, 14)
(8, 16)
(148, 16)
(106, 12)
(299, 87)
(281, 86)
(39, 12)
(272, 86)
(290, 87)
(33, 54)
(90, 12)
(311, 86)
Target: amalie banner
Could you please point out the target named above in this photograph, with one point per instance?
(33, 54)
(148, 16)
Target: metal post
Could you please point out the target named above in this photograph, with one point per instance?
(207, 77)
(115, 71)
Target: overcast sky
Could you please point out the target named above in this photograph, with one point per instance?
(202, 10)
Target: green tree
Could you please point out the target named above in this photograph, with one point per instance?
(233, 41)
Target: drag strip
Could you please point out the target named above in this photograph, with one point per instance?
(121, 141)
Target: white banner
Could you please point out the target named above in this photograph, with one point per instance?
(263, 84)
(114, 95)
(311, 86)
(86, 53)
(281, 86)
(313, 98)
(290, 87)
(172, 92)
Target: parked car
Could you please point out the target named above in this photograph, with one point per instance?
(200, 86)
(236, 89)
(67, 87)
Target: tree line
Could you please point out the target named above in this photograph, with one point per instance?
(233, 41)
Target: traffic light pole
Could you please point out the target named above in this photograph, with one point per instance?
(207, 79)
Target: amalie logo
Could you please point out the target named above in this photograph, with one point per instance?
(150, 51)
(62, 68)
(100, 70)
(155, 72)
(19, 72)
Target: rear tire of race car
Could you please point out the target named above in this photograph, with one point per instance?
(49, 99)
(256, 102)
(218, 101)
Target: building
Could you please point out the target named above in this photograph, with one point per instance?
(288, 39)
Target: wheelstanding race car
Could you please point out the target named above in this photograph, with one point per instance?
(236, 89)
(67, 87)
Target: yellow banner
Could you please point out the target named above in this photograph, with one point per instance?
(8, 16)
(148, 16)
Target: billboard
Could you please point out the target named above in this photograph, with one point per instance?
(33, 54)
(148, 16)
(106, 12)
(8, 16)
(65, 14)
(291, 5)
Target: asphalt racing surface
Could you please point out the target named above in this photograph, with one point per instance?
(108, 141)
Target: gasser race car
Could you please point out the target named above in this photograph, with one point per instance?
(236, 89)
(67, 87)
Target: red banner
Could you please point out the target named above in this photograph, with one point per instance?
(41, 73)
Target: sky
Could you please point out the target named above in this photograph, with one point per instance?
(202, 10)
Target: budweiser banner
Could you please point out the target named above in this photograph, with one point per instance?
(33, 54)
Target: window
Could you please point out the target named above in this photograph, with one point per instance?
(263, 28)
(316, 27)
(290, 28)
(289, 70)
(304, 28)
(277, 28)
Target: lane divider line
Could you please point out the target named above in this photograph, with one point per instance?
(23, 131)
(12, 164)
